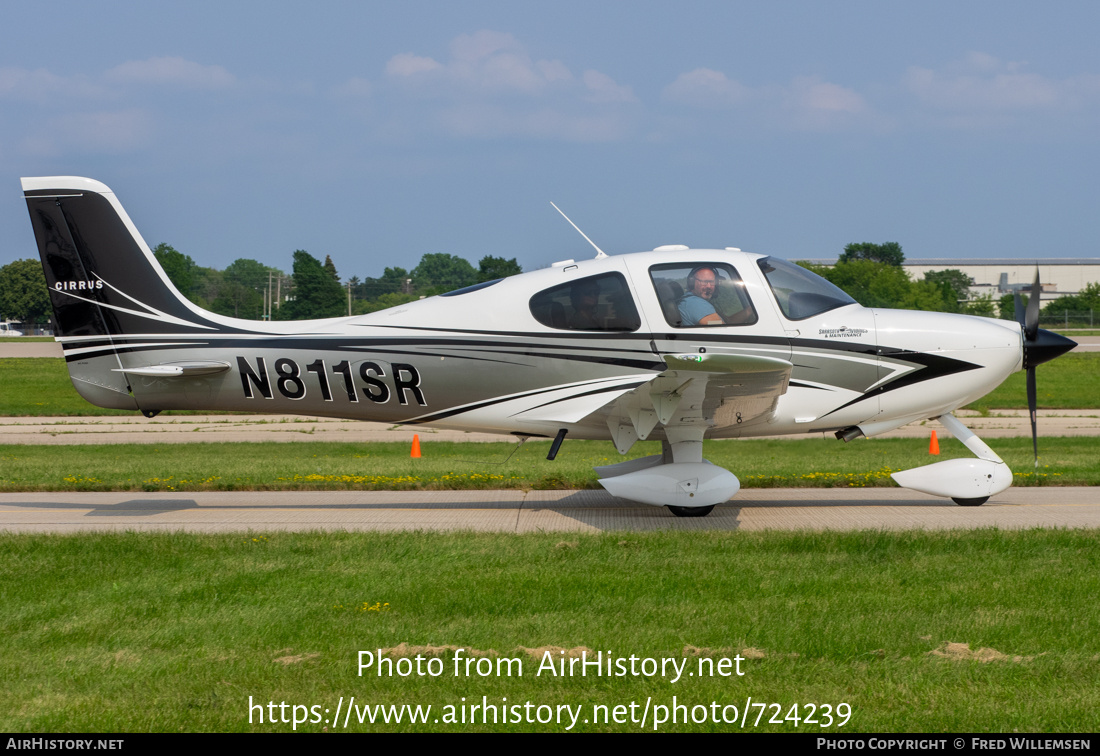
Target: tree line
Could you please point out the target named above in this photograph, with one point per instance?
(251, 290)
(872, 274)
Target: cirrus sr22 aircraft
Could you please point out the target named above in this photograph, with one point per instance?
(676, 344)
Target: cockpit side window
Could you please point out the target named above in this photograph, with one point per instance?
(702, 294)
(801, 293)
(595, 303)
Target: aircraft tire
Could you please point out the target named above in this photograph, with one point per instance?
(690, 511)
(970, 502)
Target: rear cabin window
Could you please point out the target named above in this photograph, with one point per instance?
(702, 295)
(596, 303)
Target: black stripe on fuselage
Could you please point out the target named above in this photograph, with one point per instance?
(379, 350)
(436, 417)
(932, 366)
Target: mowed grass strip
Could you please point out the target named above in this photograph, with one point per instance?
(759, 463)
(41, 387)
(1069, 382)
(174, 632)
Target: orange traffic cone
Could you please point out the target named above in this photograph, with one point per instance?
(933, 445)
(416, 446)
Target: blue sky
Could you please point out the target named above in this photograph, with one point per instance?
(378, 132)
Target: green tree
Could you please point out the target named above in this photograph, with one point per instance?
(439, 272)
(887, 252)
(23, 293)
(491, 268)
(206, 284)
(983, 305)
(955, 280)
(872, 284)
(392, 280)
(1086, 299)
(316, 293)
(382, 302)
(330, 266)
(930, 295)
(242, 292)
(178, 266)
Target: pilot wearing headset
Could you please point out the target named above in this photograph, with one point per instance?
(695, 306)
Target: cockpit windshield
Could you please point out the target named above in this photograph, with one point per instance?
(800, 293)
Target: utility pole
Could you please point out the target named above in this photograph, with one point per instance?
(349, 297)
(267, 294)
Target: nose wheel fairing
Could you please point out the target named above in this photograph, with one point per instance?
(964, 480)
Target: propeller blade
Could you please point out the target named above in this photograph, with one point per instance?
(1031, 318)
(1032, 401)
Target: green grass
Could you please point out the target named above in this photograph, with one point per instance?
(23, 339)
(41, 386)
(1070, 382)
(174, 632)
(759, 463)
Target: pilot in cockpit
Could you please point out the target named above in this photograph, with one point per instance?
(695, 306)
(700, 305)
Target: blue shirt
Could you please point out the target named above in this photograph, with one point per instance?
(693, 308)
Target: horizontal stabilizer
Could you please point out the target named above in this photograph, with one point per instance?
(176, 369)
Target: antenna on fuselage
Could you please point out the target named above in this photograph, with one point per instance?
(600, 254)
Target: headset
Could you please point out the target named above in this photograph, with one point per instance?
(695, 271)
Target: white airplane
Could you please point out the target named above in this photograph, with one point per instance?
(675, 344)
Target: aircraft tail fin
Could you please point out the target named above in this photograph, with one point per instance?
(104, 283)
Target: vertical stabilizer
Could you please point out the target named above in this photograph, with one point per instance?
(103, 280)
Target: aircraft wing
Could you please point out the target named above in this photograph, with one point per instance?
(699, 392)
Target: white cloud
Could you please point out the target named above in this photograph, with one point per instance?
(602, 88)
(804, 103)
(982, 83)
(407, 64)
(705, 88)
(171, 71)
(485, 62)
(814, 95)
(489, 85)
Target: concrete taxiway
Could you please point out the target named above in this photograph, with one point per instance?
(536, 511)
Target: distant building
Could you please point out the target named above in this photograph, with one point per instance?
(997, 276)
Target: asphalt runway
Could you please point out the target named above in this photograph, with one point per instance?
(536, 511)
